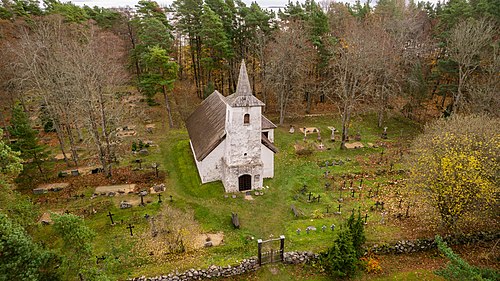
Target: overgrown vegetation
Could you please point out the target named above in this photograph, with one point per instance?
(458, 269)
(454, 167)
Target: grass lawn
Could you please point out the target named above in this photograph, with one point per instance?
(266, 216)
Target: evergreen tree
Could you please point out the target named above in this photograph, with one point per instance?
(27, 139)
(159, 74)
(21, 258)
(340, 260)
(357, 230)
(77, 243)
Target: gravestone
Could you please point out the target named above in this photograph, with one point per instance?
(294, 210)
(292, 129)
(125, 205)
(384, 133)
(235, 220)
(332, 137)
(357, 137)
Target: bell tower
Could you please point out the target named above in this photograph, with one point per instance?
(242, 159)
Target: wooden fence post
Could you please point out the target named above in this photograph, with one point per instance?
(282, 247)
(259, 255)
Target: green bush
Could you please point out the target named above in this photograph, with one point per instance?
(458, 269)
(357, 230)
(340, 260)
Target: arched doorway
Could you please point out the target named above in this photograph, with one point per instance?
(245, 182)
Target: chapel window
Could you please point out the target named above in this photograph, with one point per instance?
(246, 119)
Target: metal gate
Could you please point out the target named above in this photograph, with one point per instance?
(268, 252)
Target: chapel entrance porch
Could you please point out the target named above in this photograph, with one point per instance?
(245, 182)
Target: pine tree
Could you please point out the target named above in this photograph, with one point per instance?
(27, 139)
(340, 259)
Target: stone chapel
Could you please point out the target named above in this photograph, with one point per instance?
(231, 140)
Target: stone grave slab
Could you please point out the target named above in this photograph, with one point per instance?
(354, 145)
(309, 130)
(215, 238)
(118, 189)
(44, 188)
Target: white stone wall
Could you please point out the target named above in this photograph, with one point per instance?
(210, 168)
(243, 140)
(231, 174)
(268, 162)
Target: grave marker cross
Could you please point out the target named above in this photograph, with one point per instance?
(353, 193)
(159, 198)
(142, 199)
(339, 207)
(110, 215)
(130, 227)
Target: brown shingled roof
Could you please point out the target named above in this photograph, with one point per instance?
(265, 141)
(266, 124)
(206, 125)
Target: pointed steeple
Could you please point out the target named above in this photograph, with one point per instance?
(243, 88)
(243, 96)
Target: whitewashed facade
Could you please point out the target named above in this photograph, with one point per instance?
(231, 140)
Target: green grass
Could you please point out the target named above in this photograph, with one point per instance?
(266, 216)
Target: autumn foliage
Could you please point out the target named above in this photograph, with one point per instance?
(455, 166)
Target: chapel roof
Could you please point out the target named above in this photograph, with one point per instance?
(206, 125)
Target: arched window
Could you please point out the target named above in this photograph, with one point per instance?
(246, 119)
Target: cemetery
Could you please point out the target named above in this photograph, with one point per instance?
(156, 212)
(131, 150)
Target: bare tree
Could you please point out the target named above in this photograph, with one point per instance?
(466, 44)
(289, 59)
(483, 89)
(73, 70)
(350, 73)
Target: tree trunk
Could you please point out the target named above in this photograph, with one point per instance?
(167, 105)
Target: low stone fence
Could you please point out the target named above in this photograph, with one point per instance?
(418, 245)
(247, 265)
(252, 264)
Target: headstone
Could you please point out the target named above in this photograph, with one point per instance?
(110, 215)
(75, 173)
(130, 227)
(357, 137)
(298, 231)
(332, 137)
(143, 151)
(382, 221)
(294, 210)
(332, 227)
(292, 129)
(323, 228)
(235, 220)
(125, 205)
(384, 133)
(208, 244)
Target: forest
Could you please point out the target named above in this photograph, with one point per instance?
(109, 90)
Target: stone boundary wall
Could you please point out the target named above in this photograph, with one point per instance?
(425, 244)
(247, 265)
(251, 264)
